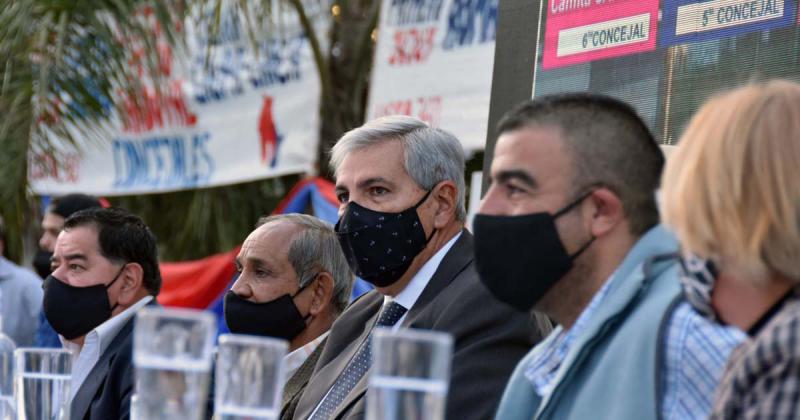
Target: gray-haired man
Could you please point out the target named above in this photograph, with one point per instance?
(293, 283)
(400, 186)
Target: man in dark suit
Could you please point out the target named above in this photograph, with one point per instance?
(105, 268)
(293, 283)
(401, 188)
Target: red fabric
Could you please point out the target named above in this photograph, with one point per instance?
(196, 284)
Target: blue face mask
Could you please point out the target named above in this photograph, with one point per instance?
(697, 279)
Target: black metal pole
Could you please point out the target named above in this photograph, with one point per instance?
(514, 63)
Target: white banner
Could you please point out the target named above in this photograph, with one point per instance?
(245, 118)
(434, 61)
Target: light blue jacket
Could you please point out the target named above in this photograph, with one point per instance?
(613, 369)
(20, 302)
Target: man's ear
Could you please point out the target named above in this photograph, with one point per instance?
(132, 279)
(445, 195)
(322, 293)
(607, 212)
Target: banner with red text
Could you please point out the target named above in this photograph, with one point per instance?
(434, 61)
(246, 116)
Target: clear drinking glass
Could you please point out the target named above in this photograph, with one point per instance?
(172, 351)
(42, 383)
(7, 347)
(410, 374)
(249, 377)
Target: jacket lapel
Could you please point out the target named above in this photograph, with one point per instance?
(456, 260)
(85, 395)
(325, 376)
(298, 381)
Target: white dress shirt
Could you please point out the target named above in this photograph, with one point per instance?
(408, 296)
(96, 342)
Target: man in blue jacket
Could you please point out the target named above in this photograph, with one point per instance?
(570, 227)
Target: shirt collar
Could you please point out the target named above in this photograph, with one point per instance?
(297, 357)
(409, 295)
(109, 329)
(542, 370)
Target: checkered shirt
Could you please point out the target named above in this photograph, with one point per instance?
(762, 378)
(696, 352)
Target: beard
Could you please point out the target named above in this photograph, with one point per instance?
(568, 297)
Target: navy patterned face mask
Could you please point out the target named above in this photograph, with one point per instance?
(697, 279)
(379, 246)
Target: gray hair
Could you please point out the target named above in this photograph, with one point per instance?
(316, 249)
(431, 155)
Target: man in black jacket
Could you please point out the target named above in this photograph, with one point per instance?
(401, 188)
(105, 268)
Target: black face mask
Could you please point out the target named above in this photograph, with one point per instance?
(277, 318)
(380, 247)
(41, 263)
(519, 258)
(74, 311)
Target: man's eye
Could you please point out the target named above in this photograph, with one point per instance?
(342, 197)
(75, 267)
(512, 190)
(378, 191)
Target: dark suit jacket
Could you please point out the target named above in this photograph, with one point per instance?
(106, 392)
(489, 339)
(295, 386)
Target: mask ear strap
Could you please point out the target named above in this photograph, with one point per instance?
(583, 248)
(305, 318)
(573, 204)
(116, 277)
(425, 197)
(114, 281)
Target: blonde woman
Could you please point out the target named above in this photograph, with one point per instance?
(731, 192)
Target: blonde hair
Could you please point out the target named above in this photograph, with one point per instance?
(731, 190)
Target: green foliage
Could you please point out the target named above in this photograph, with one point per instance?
(62, 61)
(196, 223)
(67, 66)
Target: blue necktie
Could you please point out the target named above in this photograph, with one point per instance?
(357, 367)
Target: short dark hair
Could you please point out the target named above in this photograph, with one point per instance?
(66, 205)
(123, 238)
(609, 143)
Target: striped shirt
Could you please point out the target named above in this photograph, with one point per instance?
(696, 353)
(762, 377)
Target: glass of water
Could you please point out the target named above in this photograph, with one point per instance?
(42, 383)
(249, 377)
(172, 351)
(410, 375)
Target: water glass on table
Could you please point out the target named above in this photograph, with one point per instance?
(172, 352)
(410, 375)
(250, 374)
(43, 379)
